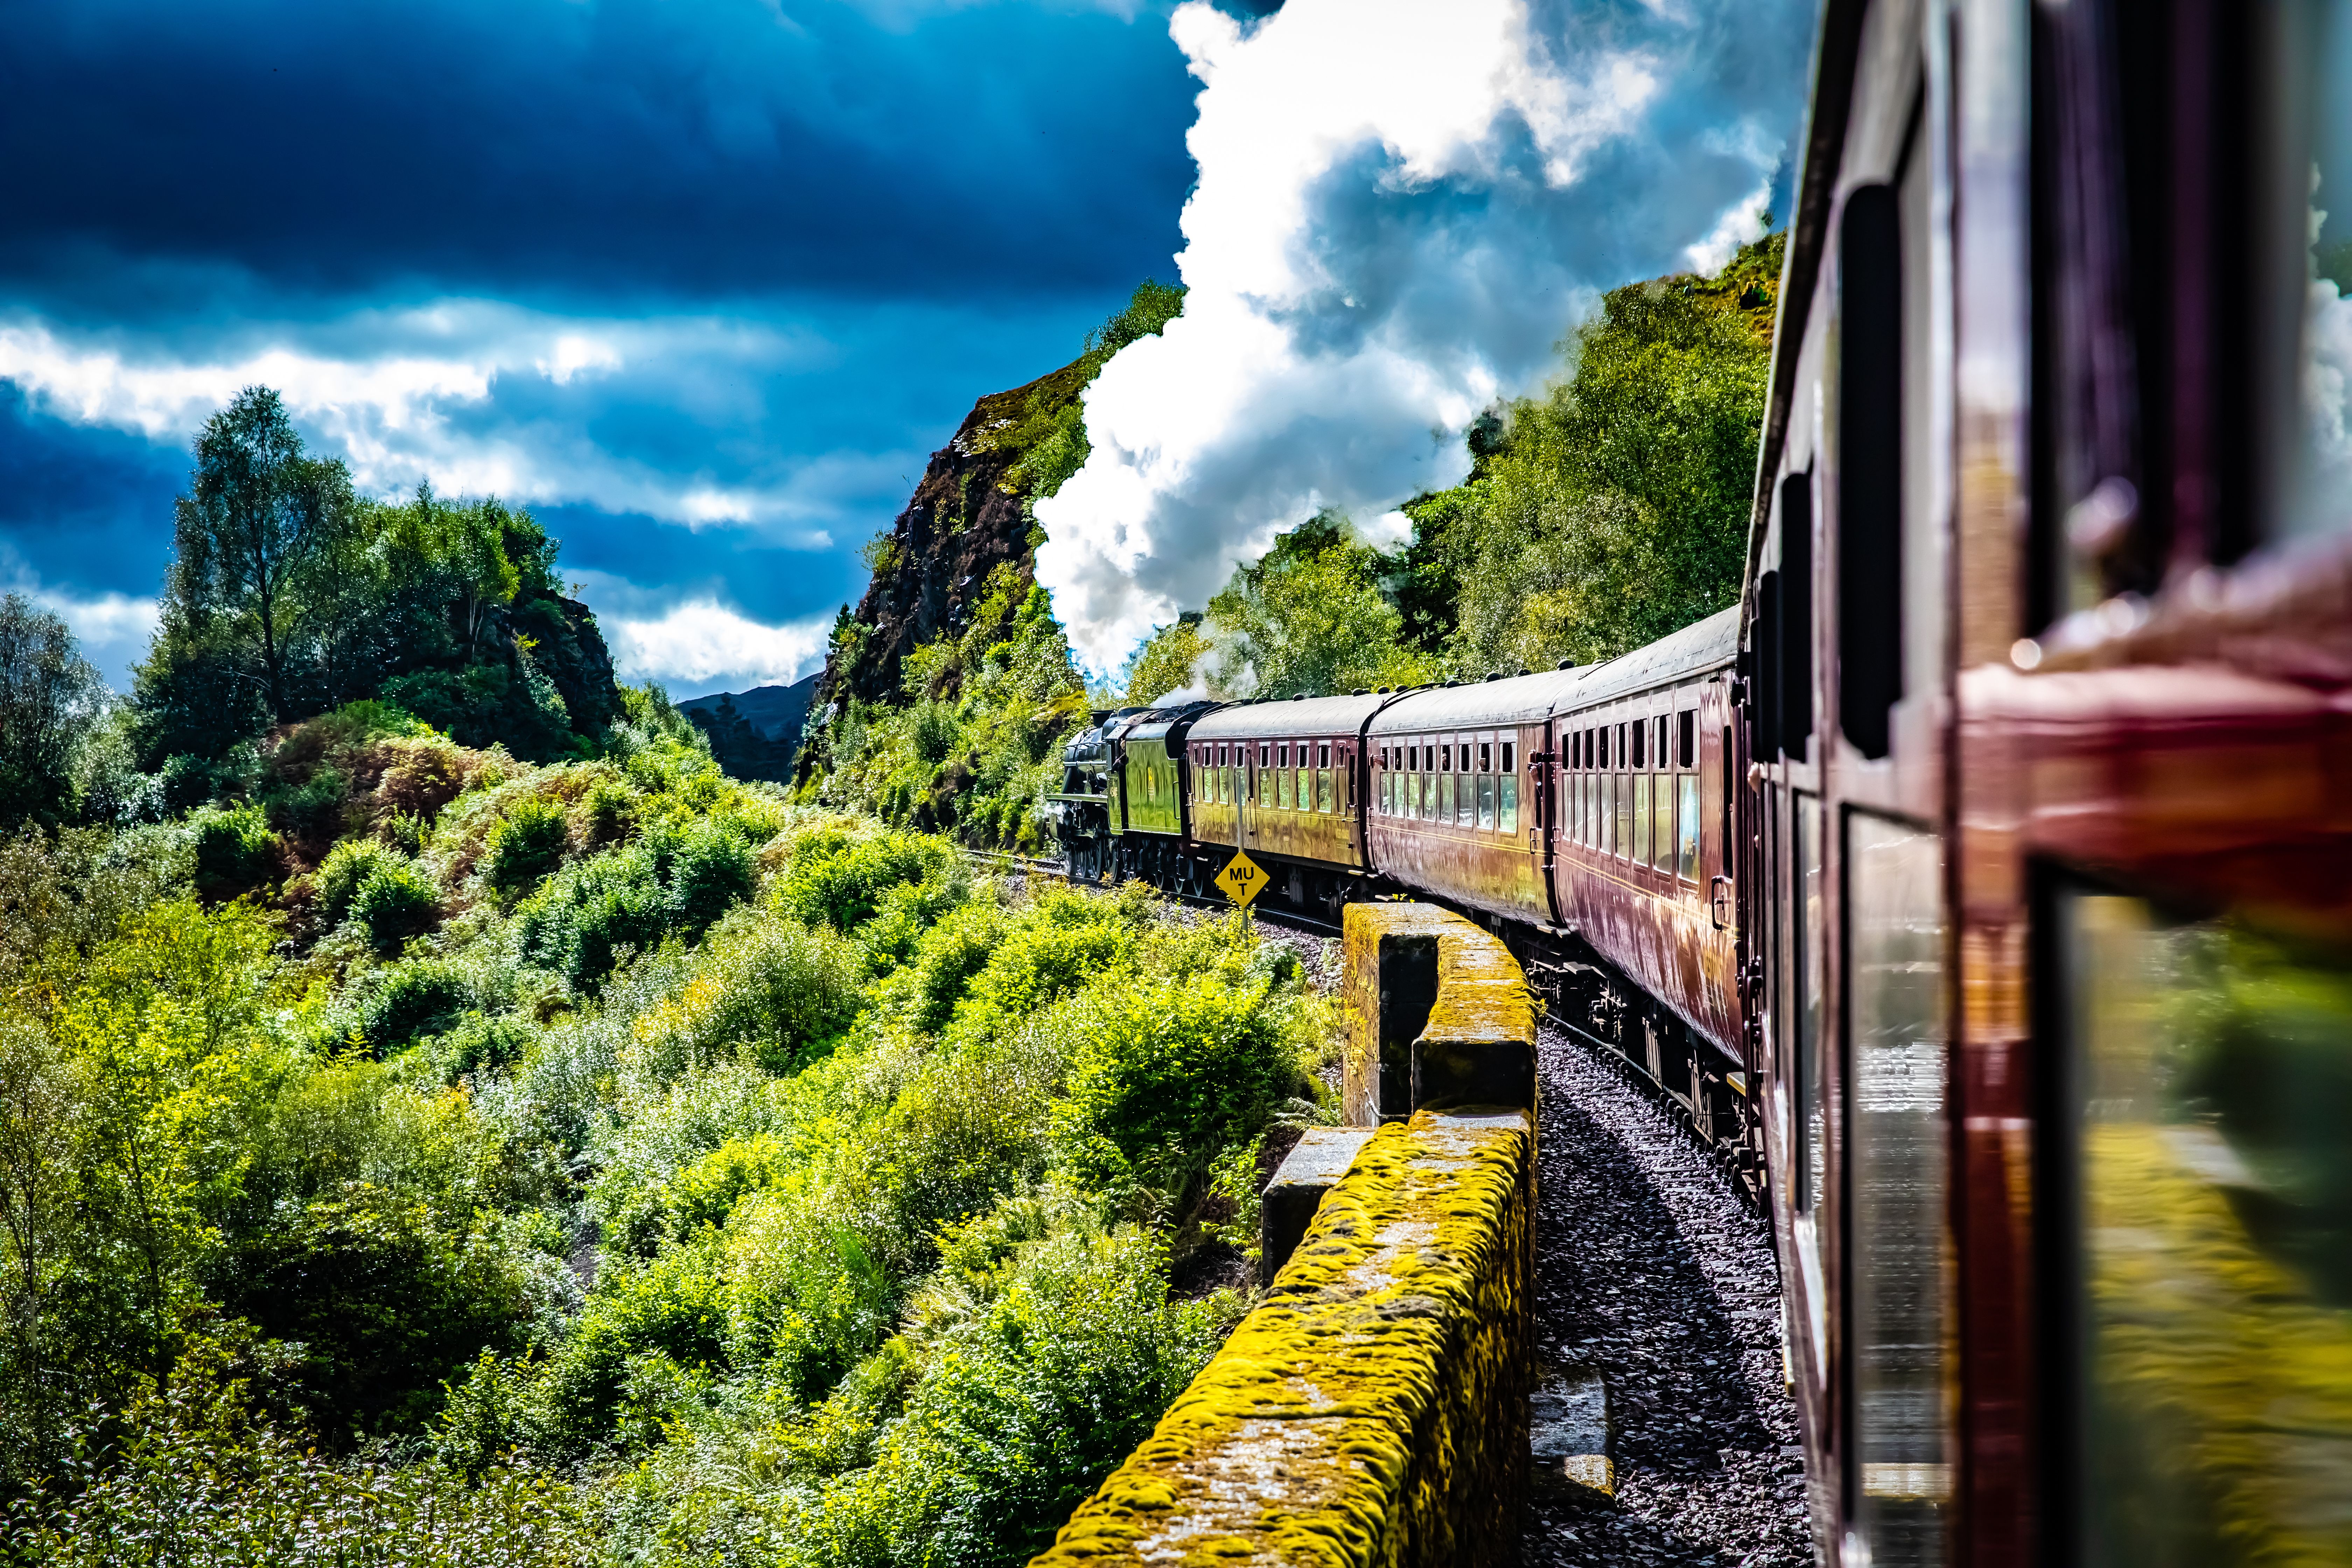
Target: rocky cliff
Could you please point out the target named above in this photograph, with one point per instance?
(968, 516)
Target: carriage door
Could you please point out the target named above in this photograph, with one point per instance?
(1870, 844)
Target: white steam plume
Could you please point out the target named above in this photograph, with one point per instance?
(1401, 207)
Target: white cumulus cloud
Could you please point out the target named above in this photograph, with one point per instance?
(1402, 205)
(701, 646)
(113, 630)
(407, 395)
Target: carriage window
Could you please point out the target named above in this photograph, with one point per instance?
(1640, 851)
(1323, 753)
(1485, 756)
(1511, 750)
(1686, 739)
(2209, 1085)
(1485, 800)
(1686, 824)
(1661, 822)
(1641, 733)
(1805, 934)
(1899, 1312)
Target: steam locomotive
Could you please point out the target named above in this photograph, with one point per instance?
(1982, 884)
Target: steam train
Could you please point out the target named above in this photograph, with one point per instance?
(1583, 814)
(1981, 883)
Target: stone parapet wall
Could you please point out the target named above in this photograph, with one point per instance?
(1373, 1408)
(1438, 1014)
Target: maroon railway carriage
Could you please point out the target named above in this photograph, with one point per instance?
(1583, 812)
(2047, 895)
(1644, 755)
(1455, 772)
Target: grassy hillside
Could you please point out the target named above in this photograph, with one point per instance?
(605, 1145)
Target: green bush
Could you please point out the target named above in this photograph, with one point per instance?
(236, 852)
(406, 1001)
(949, 955)
(347, 864)
(1040, 964)
(478, 1043)
(703, 1194)
(383, 1304)
(1165, 1076)
(587, 914)
(769, 985)
(314, 806)
(395, 901)
(1029, 1404)
(933, 730)
(836, 880)
(671, 880)
(674, 1306)
(194, 1476)
(525, 846)
(708, 869)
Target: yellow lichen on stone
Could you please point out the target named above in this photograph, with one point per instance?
(1373, 1409)
(1476, 1044)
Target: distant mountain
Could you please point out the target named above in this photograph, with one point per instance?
(754, 733)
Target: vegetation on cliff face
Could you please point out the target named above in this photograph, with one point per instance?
(946, 695)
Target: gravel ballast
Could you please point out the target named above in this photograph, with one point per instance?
(1651, 1275)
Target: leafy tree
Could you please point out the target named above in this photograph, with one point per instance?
(51, 698)
(252, 534)
(1613, 509)
(1310, 617)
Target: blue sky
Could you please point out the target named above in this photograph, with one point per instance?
(703, 284)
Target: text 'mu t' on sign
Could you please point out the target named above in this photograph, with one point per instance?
(1242, 880)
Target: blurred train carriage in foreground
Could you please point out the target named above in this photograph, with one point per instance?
(1980, 886)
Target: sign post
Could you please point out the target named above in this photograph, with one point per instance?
(1242, 880)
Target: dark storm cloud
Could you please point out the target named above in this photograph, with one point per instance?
(703, 284)
(177, 160)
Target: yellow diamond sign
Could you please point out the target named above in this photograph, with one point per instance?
(1242, 880)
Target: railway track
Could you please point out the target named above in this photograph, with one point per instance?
(1655, 1284)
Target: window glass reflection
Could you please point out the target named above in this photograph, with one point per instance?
(2312, 42)
(2212, 1088)
(1899, 1315)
